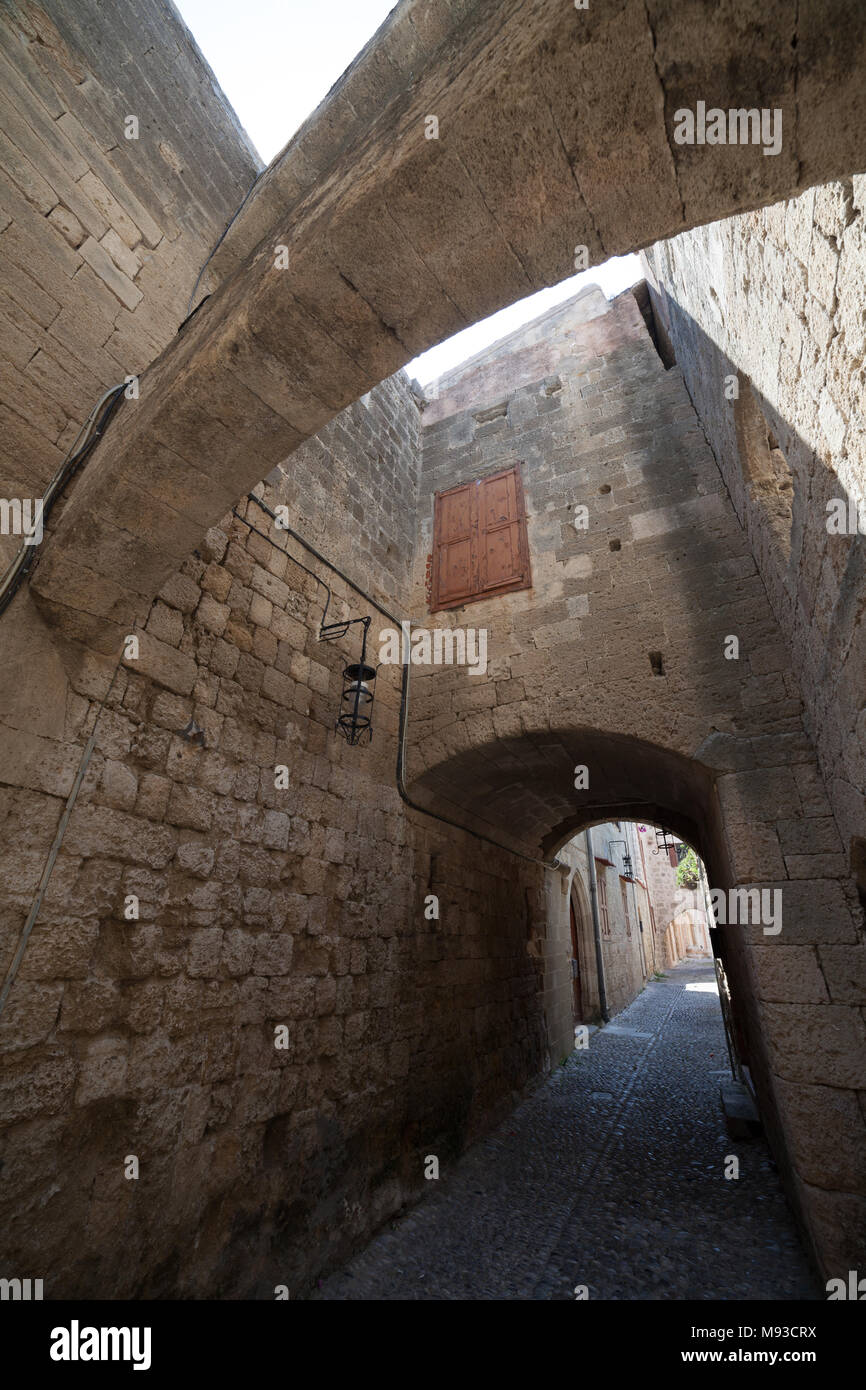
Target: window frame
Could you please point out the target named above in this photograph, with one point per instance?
(601, 885)
(479, 593)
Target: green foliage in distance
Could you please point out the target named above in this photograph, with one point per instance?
(687, 870)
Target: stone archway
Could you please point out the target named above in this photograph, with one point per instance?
(395, 240)
(528, 780)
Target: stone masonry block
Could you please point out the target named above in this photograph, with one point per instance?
(845, 972)
(818, 1044)
(767, 795)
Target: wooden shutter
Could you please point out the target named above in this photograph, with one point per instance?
(455, 560)
(624, 890)
(501, 531)
(479, 540)
(601, 885)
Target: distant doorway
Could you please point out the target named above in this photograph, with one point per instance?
(577, 1000)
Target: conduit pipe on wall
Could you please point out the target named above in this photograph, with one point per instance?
(596, 926)
(404, 692)
(401, 787)
(86, 439)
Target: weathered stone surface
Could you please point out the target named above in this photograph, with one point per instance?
(164, 665)
(844, 969)
(31, 1015)
(793, 275)
(815, 1044)
(825, 1128)
(124, 265)
(99, 830)
(103, 1070)
(838, 1224)
(451, 256)
(196, 905)
(792, 973)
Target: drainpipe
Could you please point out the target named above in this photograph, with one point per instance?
(646, 884)
(596, 926)
(639, 929)
(631, 836)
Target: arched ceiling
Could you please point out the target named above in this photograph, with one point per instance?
(522, 790)
(555, 131)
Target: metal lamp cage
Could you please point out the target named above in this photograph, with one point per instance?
(354, 721)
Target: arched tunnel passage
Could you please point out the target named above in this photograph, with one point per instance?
(536, 791)
(619, 1177)
(540, 793)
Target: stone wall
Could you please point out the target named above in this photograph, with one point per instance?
(261, 907)
(101, 237)
(624, 973)
(396, 240)
(618, 659)
(154, 1035)
(772, 301)
(363, 513)
(680, 916)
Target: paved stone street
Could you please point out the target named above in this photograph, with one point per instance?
(610, 1176)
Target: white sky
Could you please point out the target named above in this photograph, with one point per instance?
(613, 276)
(276, 59)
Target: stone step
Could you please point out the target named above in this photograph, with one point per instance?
(741, 1116)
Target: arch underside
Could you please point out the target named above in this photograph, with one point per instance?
(398, 241)
(522, 791)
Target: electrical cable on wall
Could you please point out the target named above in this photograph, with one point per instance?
(91, 431)
(218, 243)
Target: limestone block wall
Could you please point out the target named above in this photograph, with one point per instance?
(573, 855)
(624, 977)
(303, 907)
(623, 964)
(682, 940)
(616, 659)
(773, 300)
(101, 237)
(661, 877)
(153, 1035)
(626, 969)
(670, 905)
(363, 513)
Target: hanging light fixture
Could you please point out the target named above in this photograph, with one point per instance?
(626, 857)
(664, 842)
(355, 718)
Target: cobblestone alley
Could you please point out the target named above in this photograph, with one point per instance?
(611, 1176)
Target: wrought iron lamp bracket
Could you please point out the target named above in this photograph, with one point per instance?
(354, 721)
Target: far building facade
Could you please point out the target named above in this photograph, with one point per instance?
(647, 921)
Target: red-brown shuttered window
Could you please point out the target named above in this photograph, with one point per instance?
(479, 540)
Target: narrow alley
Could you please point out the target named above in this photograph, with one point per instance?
(611, 1176)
